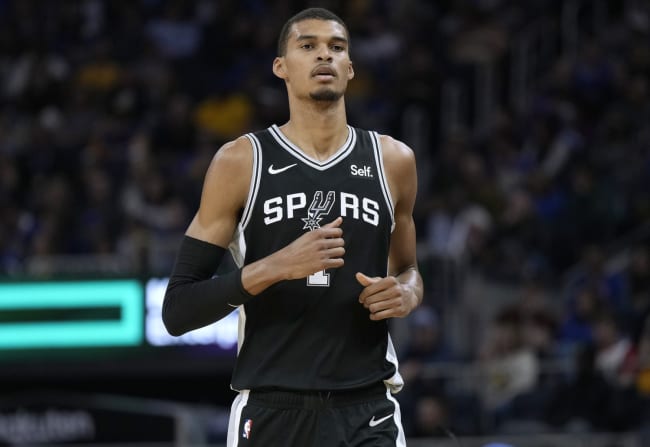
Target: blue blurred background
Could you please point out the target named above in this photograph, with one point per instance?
(531, 125)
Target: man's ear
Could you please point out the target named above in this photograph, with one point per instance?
(278, 68)
(350, 71)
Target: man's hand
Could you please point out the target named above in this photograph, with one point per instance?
(386, 297)
(314, 251)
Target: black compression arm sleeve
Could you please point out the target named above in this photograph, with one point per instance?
(194, 298)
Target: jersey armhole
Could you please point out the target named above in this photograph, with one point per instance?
(255, 181)
(383, 181)
(237, 246)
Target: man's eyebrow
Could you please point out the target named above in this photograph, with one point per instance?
(312, 36)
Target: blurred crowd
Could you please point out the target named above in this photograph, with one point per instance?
(110, 112)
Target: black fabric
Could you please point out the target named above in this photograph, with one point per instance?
(368, 423)
(316, 399)
(312, 333)
(194, 298)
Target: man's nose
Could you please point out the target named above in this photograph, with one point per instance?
(324, 53)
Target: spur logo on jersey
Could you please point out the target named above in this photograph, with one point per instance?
(317, 209)
(361, 171)
(277, 209)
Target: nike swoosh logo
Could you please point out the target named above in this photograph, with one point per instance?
(279, 170)
(374, 422)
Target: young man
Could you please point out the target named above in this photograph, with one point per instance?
(318, 215)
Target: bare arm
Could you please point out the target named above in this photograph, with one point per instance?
(224, 194)
(225, 189)
(401, 291)
(193, 297)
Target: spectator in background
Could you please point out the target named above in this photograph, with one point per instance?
(431, 417)
(425, 408)
(425, 345)
(436, 400)
(615, 352)
(508, 368)
(588, 401)
(582, 402)
(592, 287)
(576, 328)
(98, 215)
(537, 317)
(458, 229)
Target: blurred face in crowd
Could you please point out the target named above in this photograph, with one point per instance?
(430, 415)
(605, 333)
(316, 64)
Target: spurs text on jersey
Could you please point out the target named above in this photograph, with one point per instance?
(291, 206)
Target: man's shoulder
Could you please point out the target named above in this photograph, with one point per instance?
(394, 148)
(234, 152)
(387, 141)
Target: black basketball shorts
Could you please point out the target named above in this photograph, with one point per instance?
(368, 417)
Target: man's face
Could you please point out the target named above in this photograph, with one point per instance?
(316, 63)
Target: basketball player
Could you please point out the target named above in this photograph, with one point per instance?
(318, 215)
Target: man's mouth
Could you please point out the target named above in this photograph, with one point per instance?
(323, 72)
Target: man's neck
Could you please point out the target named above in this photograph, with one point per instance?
(318, 129)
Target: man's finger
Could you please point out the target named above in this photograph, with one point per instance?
(366, 280)
(335, 223)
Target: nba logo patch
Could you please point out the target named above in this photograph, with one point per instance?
(247, 429)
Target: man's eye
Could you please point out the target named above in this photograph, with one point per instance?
(307, 46)
(338, 48)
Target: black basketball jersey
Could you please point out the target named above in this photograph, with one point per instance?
(312, 333)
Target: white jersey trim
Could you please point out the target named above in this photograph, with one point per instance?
(255, 180)
(238, 404)
(237, 245)
(383, 181)
(397, 418)
(395, 382)
(298, 153)
(241, 326)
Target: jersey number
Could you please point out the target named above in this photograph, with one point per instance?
(319, 279)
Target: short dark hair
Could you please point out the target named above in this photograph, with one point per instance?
(306, 14)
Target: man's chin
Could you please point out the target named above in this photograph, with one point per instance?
(326, 95)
